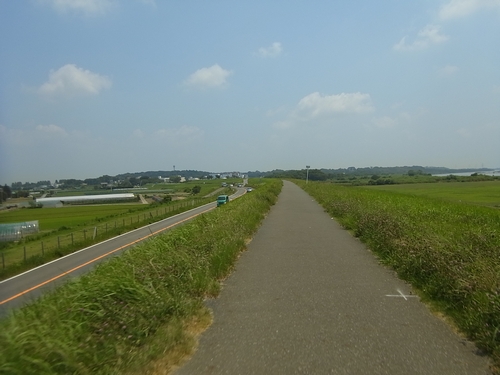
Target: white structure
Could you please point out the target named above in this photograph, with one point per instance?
(85, 199)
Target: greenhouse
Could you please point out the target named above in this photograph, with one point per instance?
(86, 199)
(16, 231)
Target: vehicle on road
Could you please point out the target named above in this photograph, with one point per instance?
(222, 199)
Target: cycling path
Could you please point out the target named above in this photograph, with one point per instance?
(308, 298)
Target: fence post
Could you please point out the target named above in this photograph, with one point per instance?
(95, 233)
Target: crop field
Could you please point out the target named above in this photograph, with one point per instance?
(484, 193)
(54, 218)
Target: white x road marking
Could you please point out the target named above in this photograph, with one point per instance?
(405, 296)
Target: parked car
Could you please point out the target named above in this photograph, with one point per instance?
(249, 190)
(222, 199)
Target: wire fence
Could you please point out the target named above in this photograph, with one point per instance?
(36, 251)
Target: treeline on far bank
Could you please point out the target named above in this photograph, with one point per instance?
(383, 175)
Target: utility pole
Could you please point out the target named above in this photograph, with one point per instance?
(307, 173)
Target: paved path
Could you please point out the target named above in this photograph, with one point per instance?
(308, 298)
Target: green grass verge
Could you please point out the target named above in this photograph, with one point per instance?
(449, 251)
(132, 309)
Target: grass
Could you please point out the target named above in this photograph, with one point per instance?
(485, 193)
(133, 310)
(51, 218)
(450, 251)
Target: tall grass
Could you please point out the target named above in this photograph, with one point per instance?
(108, 321)
(450, 251)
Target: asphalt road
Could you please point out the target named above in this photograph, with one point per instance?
(308, 298)
(22, 289)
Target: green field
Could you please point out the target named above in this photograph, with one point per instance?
(51, 218)
(54, 218)
(484, 193)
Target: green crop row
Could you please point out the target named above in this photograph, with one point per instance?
(132, 309)
(449, 251)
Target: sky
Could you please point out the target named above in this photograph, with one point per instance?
(103, 87)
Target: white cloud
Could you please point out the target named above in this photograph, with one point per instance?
(318, 107)
(51, 130)
(426, 37)
(87, 7)
(449, 70)
(214, 76)
(273, 50)
(315, 104)
(71, 80)
(385, 122)
(462, 8)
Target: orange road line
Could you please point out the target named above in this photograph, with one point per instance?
(96, 259)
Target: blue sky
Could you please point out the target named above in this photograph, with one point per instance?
(94, 87)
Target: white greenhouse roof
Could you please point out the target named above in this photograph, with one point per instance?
(83, 198)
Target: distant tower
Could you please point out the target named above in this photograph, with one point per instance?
(174, 168)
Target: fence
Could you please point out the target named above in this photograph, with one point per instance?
(67, 243)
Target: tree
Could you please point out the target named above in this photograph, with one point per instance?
(196, 189)
(175, 179)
